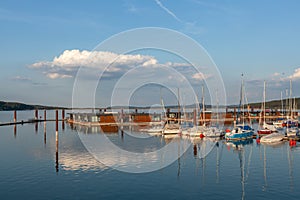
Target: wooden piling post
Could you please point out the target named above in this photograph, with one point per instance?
(15, 116)
(36, 117)
(194, 117)
(56, 140)
(45, 134)
(56, 121)
(45, 115)
(63, 119)
(36, 114)
(63, 114)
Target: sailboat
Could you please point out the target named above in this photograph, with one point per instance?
(265, 128)
(291, 124)
(197, 131)
(204, 130)
(272, 138)
(240, 131)
(172, 127)
(214, 131)
(278, 123)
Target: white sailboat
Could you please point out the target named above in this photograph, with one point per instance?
(272, 138)
(214, 131)
(240, 131)
(172, 126)
(198, 131)
(265, 128)
(292, 129)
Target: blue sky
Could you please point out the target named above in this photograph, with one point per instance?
(259, 38)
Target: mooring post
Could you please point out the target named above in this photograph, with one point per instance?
(15, 116)
(56, 121)
(63, 119)
(45, 115)
(36, 114)
(56, 140)
(36, 118)
(63, 114)
(45, 134)
(195, 117)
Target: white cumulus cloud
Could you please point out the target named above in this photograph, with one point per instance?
(66, 64)
(200, 76)
(296, 74)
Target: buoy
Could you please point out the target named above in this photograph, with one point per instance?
(258, 140)
(201, 135)
(292, 143)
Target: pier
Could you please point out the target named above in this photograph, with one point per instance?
(135, 118)
(36, 119)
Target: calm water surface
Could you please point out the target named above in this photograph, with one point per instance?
(29, 168)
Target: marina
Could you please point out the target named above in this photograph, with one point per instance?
(209, 168)
(149, 100)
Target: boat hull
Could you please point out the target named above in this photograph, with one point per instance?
(264, 131)
(239, 136)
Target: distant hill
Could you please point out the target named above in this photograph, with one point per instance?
(275, 104)
(6, 106)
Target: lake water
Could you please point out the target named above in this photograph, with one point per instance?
(30, 168)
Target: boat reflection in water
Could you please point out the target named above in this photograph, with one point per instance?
(95, 129)
(239, 148)
(128, 150)
(202, 147)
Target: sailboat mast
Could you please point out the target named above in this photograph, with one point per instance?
(286, 102)
(281, 102)
(291, 101)
(294, 106)
(241, 97)
(242, 100)
(217, 108)
(163, 106)
(203, 105)
(179, 114)
(264, 103)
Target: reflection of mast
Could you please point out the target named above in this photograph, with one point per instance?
(56, 141)
(218, 163)
(203, 160)
(45, 135)
(290, 161)
(56, 152)
(178, 156)
(242, 166)
(265, 170)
